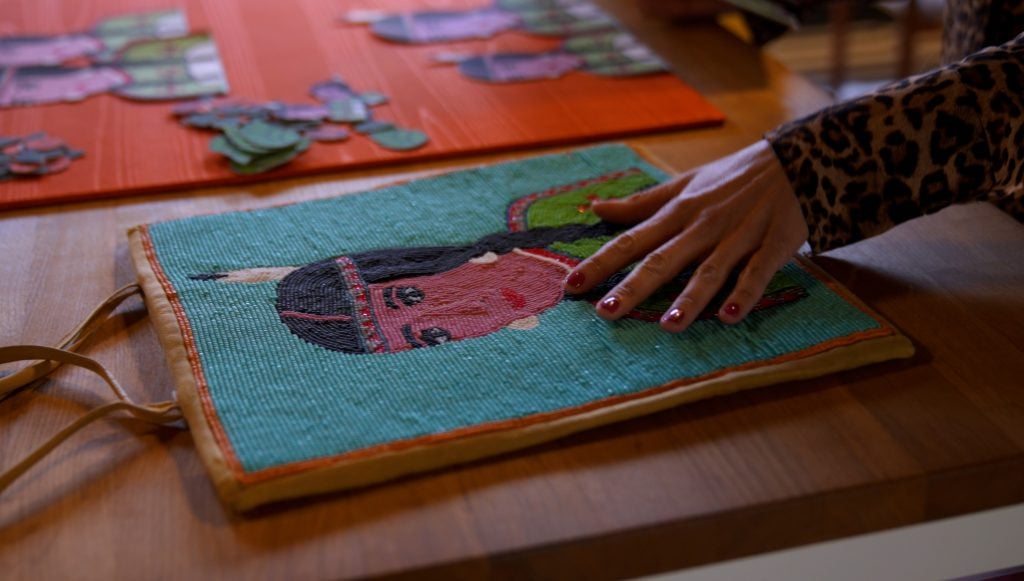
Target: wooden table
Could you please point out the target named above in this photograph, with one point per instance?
(903, 442)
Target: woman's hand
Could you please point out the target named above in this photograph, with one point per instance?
(740, 209)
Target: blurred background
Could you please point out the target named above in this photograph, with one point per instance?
(851, 48)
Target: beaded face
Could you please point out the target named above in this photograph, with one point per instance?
(333, 305)
(475, 299)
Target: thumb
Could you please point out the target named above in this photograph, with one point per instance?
(642, 205)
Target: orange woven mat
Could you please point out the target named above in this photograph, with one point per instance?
(275, 51)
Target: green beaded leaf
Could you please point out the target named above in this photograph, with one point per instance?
(269, 135)
(400, 139)
(348, 111)
(373, 98)
(270, 161)
(222, 145)
(371, 127)
(239, 141)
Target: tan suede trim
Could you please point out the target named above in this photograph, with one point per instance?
(173, 342)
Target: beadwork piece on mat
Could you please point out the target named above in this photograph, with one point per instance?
(346, 341)
(429, 110)
(259, 137)
(592, 40)
(145, 56)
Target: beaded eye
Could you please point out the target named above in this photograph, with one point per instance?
(435, 336)
(409, 295)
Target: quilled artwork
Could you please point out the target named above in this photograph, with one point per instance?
(551, 18)
(145, 56)
(34, 155)
(346, 341)
(613, 53)
(591, 40)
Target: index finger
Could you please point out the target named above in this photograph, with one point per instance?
(641, 205)
(625, 249)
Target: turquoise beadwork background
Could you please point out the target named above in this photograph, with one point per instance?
(281, 399)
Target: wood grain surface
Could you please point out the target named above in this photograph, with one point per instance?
(892, 444)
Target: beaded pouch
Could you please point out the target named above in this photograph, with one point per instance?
(342, 342)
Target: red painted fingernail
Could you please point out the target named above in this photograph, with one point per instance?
(732, 309)
(673, 316)
(611, 304)
(576, 279)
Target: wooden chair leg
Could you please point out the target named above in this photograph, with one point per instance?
(839, 17)
(908, 26)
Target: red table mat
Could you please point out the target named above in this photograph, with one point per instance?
(276, 51)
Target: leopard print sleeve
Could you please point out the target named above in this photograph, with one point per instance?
(950, 136)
